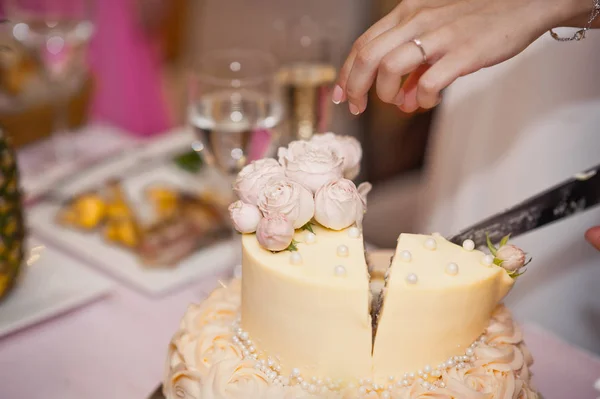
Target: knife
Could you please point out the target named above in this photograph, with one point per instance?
(568, 198)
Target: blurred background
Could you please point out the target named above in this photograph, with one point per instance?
(123, 122)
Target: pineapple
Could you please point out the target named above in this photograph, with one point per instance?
(12, 226)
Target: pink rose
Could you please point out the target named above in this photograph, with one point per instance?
(346, 147)
(275, 232)
(512, 257)
(285, 196)
(245, 217)
(338, 205)
(309, 164)
(253, 177)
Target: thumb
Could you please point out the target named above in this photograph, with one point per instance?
(593, 237)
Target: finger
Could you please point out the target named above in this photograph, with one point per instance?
(445, 71)
(383, 25)
(593, 237)
(393, 53)
(409, 89)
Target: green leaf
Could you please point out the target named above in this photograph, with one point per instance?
(292, 247)
(497, 261)
(308, 226)
(517, 273)
(490, 245)
(504, 240)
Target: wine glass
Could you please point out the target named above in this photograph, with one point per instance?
(235, 108)
(236, 112)
(309, 54)
(56, 33)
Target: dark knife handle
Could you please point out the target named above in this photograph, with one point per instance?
(572, 196)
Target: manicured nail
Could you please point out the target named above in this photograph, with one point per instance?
(399, 100)
(354, 110)
(338, 94)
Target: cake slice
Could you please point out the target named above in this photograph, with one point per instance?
(439, 298)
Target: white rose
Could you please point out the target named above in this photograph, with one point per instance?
(245, 217)
(309, 164)
(285, 196)
(275, 232)
(512, 257)
(253, 177)
(346, 147)
(338, 205)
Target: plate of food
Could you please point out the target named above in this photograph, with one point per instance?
(155, 227)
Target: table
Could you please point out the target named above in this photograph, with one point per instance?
(115, 348)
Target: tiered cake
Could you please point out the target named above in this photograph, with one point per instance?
(307, 320)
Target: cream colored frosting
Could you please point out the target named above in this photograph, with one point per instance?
(203, 362)
(305, 315)
(426, 322)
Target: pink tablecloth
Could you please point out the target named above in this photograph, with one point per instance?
(115, 349)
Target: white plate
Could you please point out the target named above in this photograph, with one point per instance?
(53, 284)
(120, 262)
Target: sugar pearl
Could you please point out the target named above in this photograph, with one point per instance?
(295, 258)
(488, 260)
(469, 245)
(430, 244)
(427, 369)
(312, 388)
(441, 384)
(353, 232)
(304, 385)
(339, 270)
(362, 390)
(342, 250)
(385, 395)
(295, 372)
(411, 278)
(406, 256)
(310, 238)
(452, 269)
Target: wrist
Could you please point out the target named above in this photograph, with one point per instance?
(574, 13)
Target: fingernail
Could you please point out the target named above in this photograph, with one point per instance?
(399, 100)
(354, 110)
(338, 94)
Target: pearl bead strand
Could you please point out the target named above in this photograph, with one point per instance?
(428, 377)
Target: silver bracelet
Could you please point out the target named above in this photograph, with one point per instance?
(580, 34)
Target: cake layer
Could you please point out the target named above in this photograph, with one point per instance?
(439, 297)
(204, 361)
(310, 309)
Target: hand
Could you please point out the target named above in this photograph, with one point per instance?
(458, 36)
(593, 237)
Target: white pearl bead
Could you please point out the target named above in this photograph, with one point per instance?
(406, 256)
(425, 385)
(244, 336)
(412, 278)
(452, 269)
(339, 270)
(411, 375)
(469, 245)
(342, 250)
(312, 388)
(310, 238)
(436, 373)
(353, 232)
(362, 390)
(441, 384)
(391, 378)
(295, 258)
(304, 385)
(295, 372)
(430, 244)
(427, 369)
(488, 260)
(469, 352)
(385, 395)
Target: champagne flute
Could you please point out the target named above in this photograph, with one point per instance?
(56, 32)
(308, 53)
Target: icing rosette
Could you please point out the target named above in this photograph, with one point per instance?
(203, 363)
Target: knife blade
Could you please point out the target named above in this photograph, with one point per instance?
(568, 198)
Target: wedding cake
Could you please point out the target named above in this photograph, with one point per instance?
(310, 318)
